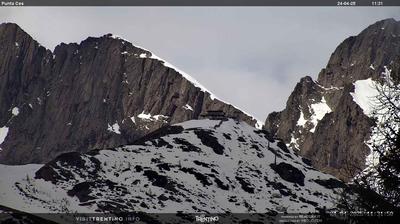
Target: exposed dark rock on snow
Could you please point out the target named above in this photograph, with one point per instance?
(330, 183)
(157, 178)
(207, 138)
(101, 93)
(289, 173)
(82, 191)
(186, 146)
(321, 117)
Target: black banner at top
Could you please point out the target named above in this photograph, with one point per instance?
(337, 3)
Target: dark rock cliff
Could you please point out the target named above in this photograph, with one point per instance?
(321, 118)
(101, 93)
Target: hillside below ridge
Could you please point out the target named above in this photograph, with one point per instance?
(194, 166)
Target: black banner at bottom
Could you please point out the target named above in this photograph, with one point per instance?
(193, 218)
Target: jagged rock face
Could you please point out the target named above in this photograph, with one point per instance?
(378, 45)
(103, 92)
(284, 124)
(322, 119)
(338, 144)
(194, 166)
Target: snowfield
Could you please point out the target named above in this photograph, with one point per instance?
(3, 134)
(365, 94)
(195, 166)
(318, 111)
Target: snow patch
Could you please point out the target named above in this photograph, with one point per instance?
(294, 142)
(319, 111)
(15, 111)
(386, 75)
(149, 117)
(259, 124)
(187, 107)
(160, 116)
(372, 67)
(114, 128)
(302, 121)
(143, 55)
(118, 37)
(373, 158)
(364, 95)
(3, 134)
(144, 116)
(380, 116)
(329, 88)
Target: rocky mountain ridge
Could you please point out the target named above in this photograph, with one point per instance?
(101, 93)
(325, 119)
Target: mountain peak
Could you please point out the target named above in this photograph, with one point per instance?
(127, 91)
(13, 32)
(10, 25)
(325, 119)
(388, 27)
(376, 46)
(386, 22)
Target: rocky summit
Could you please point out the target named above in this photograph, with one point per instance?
(196, 166)
(101, 93)
(329, 120)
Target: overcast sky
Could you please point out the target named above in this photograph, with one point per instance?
(250, 57)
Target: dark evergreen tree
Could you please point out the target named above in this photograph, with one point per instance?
(384, 175)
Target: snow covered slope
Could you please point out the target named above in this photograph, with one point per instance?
(194, 166)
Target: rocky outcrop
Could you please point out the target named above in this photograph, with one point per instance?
(101, 93)
(322, 119)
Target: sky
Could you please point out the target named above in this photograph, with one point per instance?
(251, 57)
